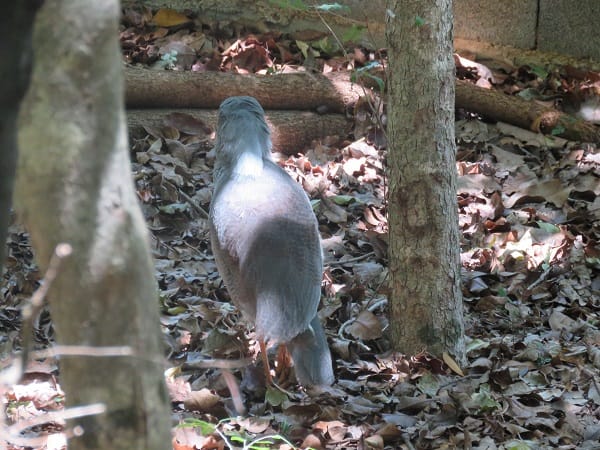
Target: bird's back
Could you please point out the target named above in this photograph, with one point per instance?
(267, 248)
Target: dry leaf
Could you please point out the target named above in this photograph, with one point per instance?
(366, 326)
(452, 364)
(166, 17)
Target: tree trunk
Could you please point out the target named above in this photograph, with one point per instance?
(426, 303)
(16, 23)
(74, 185)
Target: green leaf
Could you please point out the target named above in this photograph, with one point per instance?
(291, 4)
(419, 21)
(176, 310)
(261, 446)
(558, 130)
(328, 46)
(476, 344)
(269, 440)
(363, 72)
(428, 384)
(274, 397)
(174, 208)
(379, 81)
(303, 46)
(529, 94)
(540, 72)
(484, 400)
(206, 428)
(519, 445)
(548, 227)
(353, 34)
(343, 200)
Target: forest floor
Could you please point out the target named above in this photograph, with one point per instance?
(529, 219)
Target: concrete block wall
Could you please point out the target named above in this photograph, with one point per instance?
(507, 22)
(570, 27)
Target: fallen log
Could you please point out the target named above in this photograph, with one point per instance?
(529, 115)
(292, 131)
(147, 88)
(333, 92)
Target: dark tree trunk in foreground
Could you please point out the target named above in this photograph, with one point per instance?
(16, 23)
(426, 303)
(74, 185)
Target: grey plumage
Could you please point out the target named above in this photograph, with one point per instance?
(266, 242)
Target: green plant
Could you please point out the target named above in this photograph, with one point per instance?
(363, 72)
(419, 21)
(238, 436)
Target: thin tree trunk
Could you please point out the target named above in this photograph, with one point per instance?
(426, 303)
(74, 185)
(16, 23)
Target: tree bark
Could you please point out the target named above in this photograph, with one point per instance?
(333, 92)
(426, 303)
(292, 131)
(74, 185)
(523, 113)
(16, 23)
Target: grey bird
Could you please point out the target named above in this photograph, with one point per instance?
(266, 243)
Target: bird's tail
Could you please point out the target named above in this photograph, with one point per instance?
(311, 356)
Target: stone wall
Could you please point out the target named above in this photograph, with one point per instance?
(570, 27)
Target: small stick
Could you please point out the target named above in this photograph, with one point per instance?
(36, 302)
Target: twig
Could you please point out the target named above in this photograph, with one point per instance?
(341, 335)
(234, 389)
(351, 260)
(226, 364)
(332, 33)
(195, 207)
(36, 302)
(381, 302)
(83, 350)
(13, 432)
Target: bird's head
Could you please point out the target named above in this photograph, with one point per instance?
(242, 131)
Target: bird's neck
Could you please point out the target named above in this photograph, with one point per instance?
(249, 163)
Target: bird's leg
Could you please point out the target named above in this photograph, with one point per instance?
(284, 362)
(265, 359)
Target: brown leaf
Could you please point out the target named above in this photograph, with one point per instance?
(333, 212)
(187, 123)
(203, 400)
(366, 326)
(166, 17)
(452, 364)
